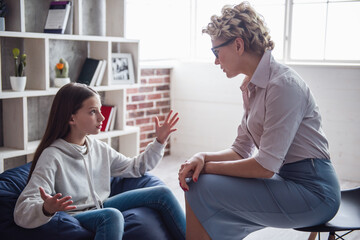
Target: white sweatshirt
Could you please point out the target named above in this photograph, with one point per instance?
(61, 168)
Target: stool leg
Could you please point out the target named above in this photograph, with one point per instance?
(331, 236)
(312, 236)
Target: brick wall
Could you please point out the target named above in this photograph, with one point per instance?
(150, 99)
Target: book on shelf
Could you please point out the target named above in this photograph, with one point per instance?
(96, 73)
(88, 72)
(109, 114)
(112, 120)
(101, 73)
(57, 17)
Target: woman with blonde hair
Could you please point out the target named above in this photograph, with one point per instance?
(290, 181)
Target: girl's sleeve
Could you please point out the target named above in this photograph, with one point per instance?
(28, 209)
(136, 166)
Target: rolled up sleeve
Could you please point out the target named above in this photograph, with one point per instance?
(243, 145)
(285, 108)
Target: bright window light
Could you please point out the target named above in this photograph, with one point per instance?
(325, 30)
(342, 38)
(319, 30)
(308, 31)
(162, 26)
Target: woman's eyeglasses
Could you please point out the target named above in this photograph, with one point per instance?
(215, 49)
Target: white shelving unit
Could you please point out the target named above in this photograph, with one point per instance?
(24, 114)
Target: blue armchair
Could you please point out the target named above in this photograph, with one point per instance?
(140, 223)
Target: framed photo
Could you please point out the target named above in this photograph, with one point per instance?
(122, 68)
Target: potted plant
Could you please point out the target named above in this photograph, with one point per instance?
(61, 73)
(18, 81)
(3, 11)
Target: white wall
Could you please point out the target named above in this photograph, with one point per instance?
(210, 108)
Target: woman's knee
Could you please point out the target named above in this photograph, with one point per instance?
(208, 186)
(205, 181)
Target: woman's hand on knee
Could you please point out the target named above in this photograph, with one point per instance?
(191, 169)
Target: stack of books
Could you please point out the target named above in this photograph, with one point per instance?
(109, 113)
(92, 72)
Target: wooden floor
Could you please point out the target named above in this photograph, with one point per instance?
(168, 168)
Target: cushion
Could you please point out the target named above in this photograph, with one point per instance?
(119, 185)
(145, 224)
(140, 223)
(61, 226)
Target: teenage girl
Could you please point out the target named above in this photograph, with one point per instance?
(70, 163)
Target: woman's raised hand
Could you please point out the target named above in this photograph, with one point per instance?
(53, 204)
(163, 131)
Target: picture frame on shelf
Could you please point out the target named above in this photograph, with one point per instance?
(122, 68)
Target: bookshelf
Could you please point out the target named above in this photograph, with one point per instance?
(23, 115)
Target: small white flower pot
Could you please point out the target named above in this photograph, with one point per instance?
(59, 82)
(18, 83)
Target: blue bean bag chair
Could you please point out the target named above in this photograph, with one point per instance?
(140, 223)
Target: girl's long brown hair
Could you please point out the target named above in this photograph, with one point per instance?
(68, 100)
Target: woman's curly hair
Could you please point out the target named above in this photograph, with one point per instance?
(244, 22)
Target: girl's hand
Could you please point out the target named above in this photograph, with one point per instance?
(163, 131)
(191, 169)
(53, 204)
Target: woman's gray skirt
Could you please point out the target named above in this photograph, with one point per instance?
(304, 193)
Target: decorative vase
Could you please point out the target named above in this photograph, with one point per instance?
(2, 24)
(59, 82)
(18, 83)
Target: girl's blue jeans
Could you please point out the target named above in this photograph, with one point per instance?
(108, 223)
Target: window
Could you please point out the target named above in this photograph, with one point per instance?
(303, 30)
(325, 30)
(162, 27)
